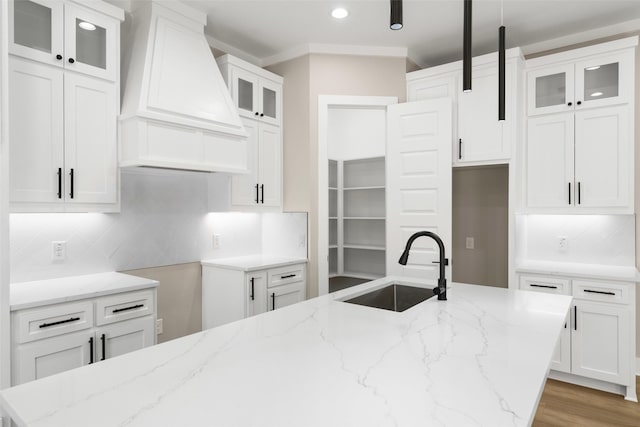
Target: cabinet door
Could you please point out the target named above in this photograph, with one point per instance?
(561, 360)
(550, 161)
(244, 91)
(270, 102)
(480, 134)
(90, 140)
(35, 30)
(270, 164)
(603, 159)
(123, 337)
(432, 88)
(604, 80)
(282, 296)
(600, 338)
(36, 132)
(50, 356)
(550, 90)
(91, 42)
(256, 283)
(245, 187)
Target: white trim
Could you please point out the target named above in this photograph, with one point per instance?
(103, 7)
(585, 36)
(227, 48)
(638, 366)
(324, 103)
(629, 393)
(335, 49)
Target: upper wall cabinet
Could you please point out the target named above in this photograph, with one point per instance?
(66, 35)
(479, 138)
(597, 81)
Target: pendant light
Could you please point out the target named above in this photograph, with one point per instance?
(396, 15)
(501, 65)
(466, 48)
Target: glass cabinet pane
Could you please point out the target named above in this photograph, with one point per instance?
(245, 95)
(91, 44)
(551, 90)
(601, 81)
(32, 25)
(269, 102)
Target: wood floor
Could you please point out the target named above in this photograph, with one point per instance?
(565, 404)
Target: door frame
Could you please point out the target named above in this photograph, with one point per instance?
(325, 103)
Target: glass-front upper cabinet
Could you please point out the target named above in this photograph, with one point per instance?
(66, 35)
(595, 82)
(256, 97)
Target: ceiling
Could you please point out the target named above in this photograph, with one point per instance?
(432, 30)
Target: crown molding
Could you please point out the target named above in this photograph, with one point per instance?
(227, 48)
(334, 49)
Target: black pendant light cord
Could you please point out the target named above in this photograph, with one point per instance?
(501, 66)
(466, 48)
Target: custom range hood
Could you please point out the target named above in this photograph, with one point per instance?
(176, 112)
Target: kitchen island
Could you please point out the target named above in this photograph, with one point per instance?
(480, 358)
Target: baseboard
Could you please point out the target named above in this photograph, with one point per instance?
(638, 366)
(588, 382)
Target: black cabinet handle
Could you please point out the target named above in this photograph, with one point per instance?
(71, 188)
(58, 57)
(575, 317)
(252, 289)
(534, 285)
(71, 60)
(460, 149)
(273, 300)
(569, 193)
(133, 307)
(579, 191)
(565, 325)
(288, 276)
(579, 102)
(569, 104)
(59, 183)
(103, 338)
(262, 192)
(599, 292)
(261, 114)
(59, 322)
(257, 193)
(90, 350)
(257, 114)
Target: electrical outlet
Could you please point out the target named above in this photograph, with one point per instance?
(58, 251)
(159, 326)
(216, 241)
(562, 243)
(471, 243)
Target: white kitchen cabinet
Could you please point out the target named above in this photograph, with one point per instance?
(478, 137)
(231, 292)
(67, 35)
(599, 340)
(54, 338)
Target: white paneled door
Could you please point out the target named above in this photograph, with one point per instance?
(418, 184)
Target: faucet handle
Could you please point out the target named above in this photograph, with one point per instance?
(446, 261)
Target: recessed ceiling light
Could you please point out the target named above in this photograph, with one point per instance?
(87, 26)
(595, 67)
(339, 13)
(597, 94)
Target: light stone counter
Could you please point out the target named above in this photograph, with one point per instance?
(479, 359)
(253, 262)
(586, 271)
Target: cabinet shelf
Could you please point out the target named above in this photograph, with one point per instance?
(364, 247)
(375, 187)
(375, 218)
(333, 189)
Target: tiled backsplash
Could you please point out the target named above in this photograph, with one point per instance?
(164, 220)
(592, 239)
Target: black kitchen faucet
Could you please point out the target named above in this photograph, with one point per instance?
(441, 290)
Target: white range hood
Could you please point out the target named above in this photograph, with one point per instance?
(177, 112)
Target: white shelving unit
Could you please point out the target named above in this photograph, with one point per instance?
(357, 218)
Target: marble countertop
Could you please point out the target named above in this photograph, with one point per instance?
(574, 269)
(481, 358)
(253, 262)
(44, 292)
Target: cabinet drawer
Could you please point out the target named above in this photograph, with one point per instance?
(601, 291)
(285, 275)
(551, 285)
(38, 323)
(124, 306)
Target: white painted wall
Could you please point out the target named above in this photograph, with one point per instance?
(592, 239)
(165, 220)
(356, 133)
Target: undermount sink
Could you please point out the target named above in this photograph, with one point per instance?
(393, 297)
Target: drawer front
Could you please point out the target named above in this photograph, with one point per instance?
(285, 275)
(602, 291)
(550, 285)
(53, 320)
(124, 306)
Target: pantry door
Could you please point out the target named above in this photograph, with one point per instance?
(418, 192)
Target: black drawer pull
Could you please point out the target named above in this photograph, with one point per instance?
(59, 322)
(533, 285)
(133, 307)
(71, 175)
(59, 183)
(103, 338)
(253, 296)
(599, 292)
(90, 350)
(288, 276)
(575, 317)
(273, 300)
